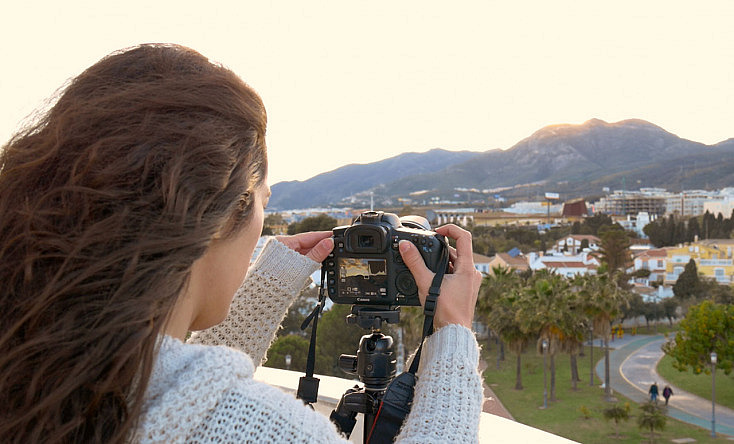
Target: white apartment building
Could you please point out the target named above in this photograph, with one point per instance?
(659, 202)
(564, 265)
(441, 216)
(637, 223)
(623, 203)
(723, 203)
(571, 244)
(688, 203)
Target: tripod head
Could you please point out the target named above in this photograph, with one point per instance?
(371, 318)
(375, 360)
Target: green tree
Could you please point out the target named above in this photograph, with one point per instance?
(274, 219)
(670, 309)
(721, 294)
(411, 323)
(614, 248)
(653, 311)
(693, 229)
(651, 418)
(334, 337)
(297, 312)
(543, 309)
(618, 414)
(602, 301)
(576, 228)
(654, 232)
(294, 345)
(271, 221)
(322, 222)
(497, 305)
(708, 327)
(688, 285)
(574, 325)
(635, 307)
(594, 223)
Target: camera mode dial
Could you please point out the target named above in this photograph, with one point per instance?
(406, 284)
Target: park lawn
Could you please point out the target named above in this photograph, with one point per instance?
(700, 384)
(564, 417)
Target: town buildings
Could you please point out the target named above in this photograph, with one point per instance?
(653, 260)
(575, 243)
(513, 260)
(713, 259)
(659, 202)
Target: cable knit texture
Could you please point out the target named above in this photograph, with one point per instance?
(203, 391)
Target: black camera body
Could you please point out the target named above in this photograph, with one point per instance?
(366, 268)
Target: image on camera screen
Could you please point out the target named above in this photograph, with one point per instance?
(362, 277)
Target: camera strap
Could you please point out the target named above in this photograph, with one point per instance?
(398, 397)
(308, 386)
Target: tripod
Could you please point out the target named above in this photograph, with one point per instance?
(375, 366)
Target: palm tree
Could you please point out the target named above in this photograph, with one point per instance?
(543, 310)
(497, 306)
(602, 301)
(574, 325)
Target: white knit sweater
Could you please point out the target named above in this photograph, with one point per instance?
(203, 391)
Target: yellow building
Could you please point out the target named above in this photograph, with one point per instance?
(713, 259)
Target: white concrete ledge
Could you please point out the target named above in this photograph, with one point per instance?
(492, 429)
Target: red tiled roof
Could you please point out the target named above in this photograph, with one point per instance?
(654, 253)
(585, 236)
(513, 262)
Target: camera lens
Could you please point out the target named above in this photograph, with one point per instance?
(366, 241)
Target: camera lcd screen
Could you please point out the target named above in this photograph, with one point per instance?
(362, 277)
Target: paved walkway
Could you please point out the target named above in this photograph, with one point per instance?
(491, 403)
(633, 363)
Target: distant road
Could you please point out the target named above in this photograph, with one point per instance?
(633, 365)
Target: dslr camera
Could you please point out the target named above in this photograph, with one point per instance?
(366, 268)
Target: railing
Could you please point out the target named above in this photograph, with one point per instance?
(492, 429)
(715, 262)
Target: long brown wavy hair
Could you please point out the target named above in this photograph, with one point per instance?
(106, 201)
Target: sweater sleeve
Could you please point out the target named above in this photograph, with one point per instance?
(273, 282)
(446, 404)
(448, 395)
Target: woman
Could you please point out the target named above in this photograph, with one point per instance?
(130, 211)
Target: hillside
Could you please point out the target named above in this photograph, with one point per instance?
(331, 187)
(576, 160)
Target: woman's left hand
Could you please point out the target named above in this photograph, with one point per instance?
(316, 245)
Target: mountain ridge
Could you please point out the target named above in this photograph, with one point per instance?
(570, 158)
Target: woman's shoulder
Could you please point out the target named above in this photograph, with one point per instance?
(176, 358)
(207, 393)
(188, 380)
(257, 412)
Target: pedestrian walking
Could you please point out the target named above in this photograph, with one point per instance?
(654, 392)
(667, 393)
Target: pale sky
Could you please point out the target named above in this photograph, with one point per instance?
(359, 81)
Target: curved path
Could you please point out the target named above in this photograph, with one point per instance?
(633, 369)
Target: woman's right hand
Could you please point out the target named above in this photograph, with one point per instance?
(459, 290)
